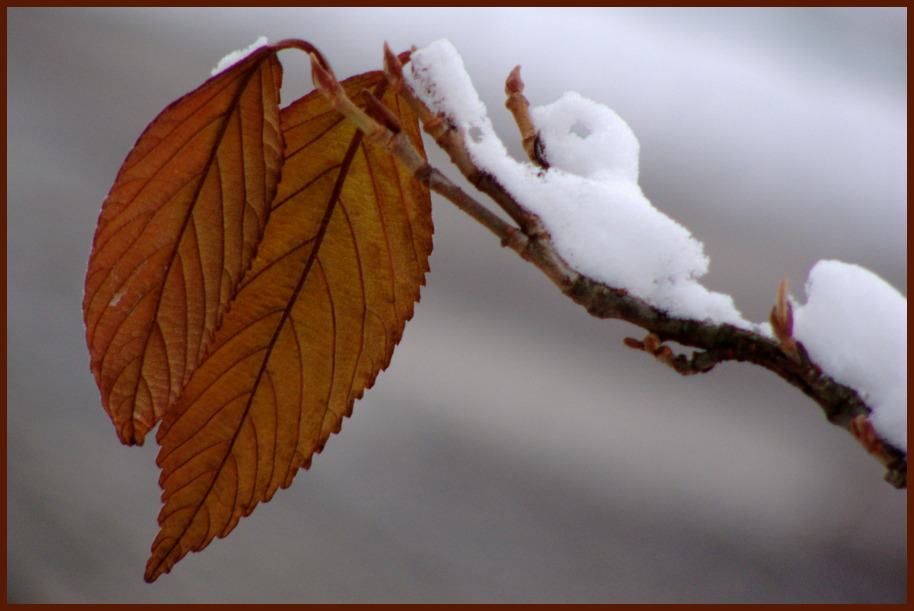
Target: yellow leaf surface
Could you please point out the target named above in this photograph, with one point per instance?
(176, 234)
(314, 321)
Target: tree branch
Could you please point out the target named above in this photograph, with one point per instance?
(783, 356)
(451, 141)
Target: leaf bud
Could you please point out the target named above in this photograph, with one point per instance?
(393, 68)
(323, 78)
(514, 84)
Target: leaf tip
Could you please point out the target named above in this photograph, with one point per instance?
(154, 569)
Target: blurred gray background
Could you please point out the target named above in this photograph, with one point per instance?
(515, 450)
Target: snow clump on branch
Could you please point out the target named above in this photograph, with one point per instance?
(855, 326)
(589, 200)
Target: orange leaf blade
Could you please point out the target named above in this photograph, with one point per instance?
(177, 232)
(315, 320)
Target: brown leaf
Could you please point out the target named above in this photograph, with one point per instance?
(314, 321)
(175, 236)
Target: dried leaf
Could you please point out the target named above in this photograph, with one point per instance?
(176, 234)
(314, 321)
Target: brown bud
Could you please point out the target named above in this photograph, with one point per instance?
(514, 84)
(631, 342)
(782, 323)
(665, 353)
(652, 343)
(782, 314)
(323, 78)
(393, 67)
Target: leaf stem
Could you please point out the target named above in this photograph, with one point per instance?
(302, 45)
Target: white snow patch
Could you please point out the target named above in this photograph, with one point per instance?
(589, 200)
(116, 299)
(855, 326)
(236, 56)
(587, 139)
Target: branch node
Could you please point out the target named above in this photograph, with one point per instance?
(700, 362)
(515, 239)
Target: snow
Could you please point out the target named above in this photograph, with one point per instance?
(855, 326)
(587, 139)
(236, 56)
(589, 200)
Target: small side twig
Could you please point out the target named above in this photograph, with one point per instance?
(702, 361)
